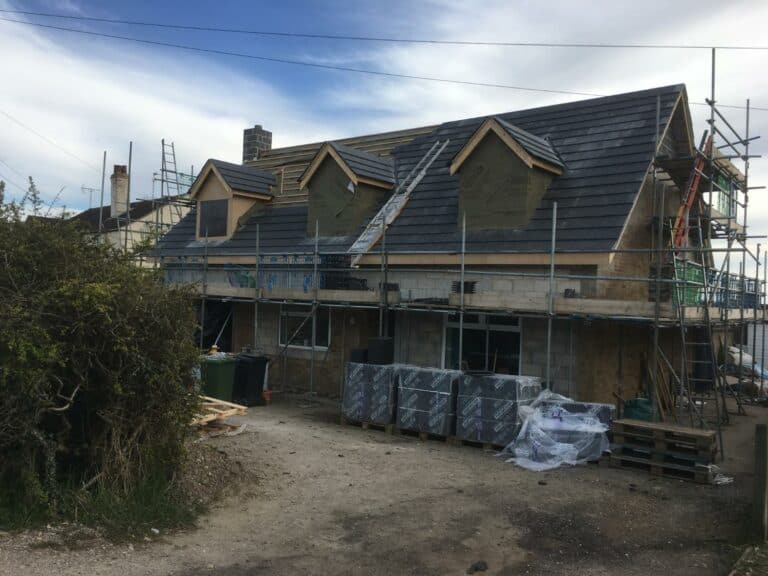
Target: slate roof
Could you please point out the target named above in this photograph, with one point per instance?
(282, 230)
(365, 164)
(535, 146)
(245, 178)
(90, 218)
(605, 145)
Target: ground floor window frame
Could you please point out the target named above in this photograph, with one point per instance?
(290, 315)
(487, 323)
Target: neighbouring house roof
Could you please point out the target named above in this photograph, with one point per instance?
(360, 166)
(604, 146)
(90, 218)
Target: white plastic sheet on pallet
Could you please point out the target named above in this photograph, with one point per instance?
(552, 435)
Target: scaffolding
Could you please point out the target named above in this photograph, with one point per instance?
(694, 307)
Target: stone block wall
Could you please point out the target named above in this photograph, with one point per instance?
(533, 361)
(350, 328)
(419, 338)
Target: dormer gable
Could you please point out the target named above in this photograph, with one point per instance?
(531, 150)
(504, 172)
(224, 192)
(345, 187)
(359, 166)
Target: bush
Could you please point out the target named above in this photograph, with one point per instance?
(96, 392)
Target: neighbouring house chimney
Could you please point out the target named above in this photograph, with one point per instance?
(119, 180)
(255, 141)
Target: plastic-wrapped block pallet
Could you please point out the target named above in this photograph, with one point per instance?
(558, 420)
(488, 405)
(369, 393)
(426, 400)
(605, 413)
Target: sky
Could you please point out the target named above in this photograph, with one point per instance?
(67, 97)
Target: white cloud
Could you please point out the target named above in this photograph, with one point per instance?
(90, 94)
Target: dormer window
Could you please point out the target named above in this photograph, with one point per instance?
(504, 172)
(346, 188)
(225, 193)
(213, 218)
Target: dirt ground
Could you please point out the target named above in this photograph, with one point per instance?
(321, 498)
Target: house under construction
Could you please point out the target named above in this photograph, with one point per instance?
(598, 244)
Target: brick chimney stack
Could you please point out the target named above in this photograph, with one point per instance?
(119, 181)
(256, 140)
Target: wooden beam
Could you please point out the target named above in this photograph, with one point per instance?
(500, 259)
(252, 195)
(201, 176)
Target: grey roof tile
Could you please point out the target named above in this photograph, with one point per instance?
(245, 178)
(535, 146)
(605, 144)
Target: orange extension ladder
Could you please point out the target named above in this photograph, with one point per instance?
(681, 227)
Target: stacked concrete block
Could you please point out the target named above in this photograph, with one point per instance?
(427, 400)
(487, 409)
(370, 394)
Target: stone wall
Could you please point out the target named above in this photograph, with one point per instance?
(533, 361)
(419, 338)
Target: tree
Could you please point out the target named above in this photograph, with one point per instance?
(96, 359)
(2, 192)
(32, 197)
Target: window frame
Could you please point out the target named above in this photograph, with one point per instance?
(483, 322)
(286, 310)
(200, 228)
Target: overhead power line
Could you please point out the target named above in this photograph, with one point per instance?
(6, 179)
(11, 168)
(330, 66)
(48, 140)
(304, 35)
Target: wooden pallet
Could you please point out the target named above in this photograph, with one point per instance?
(423, 436)
(652, 455)
(487, 446)
(698, 474)
(667, 445)
(664, 436)
(388, 428)
(212, 409)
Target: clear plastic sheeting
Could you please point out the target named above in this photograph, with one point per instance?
(557, 430)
